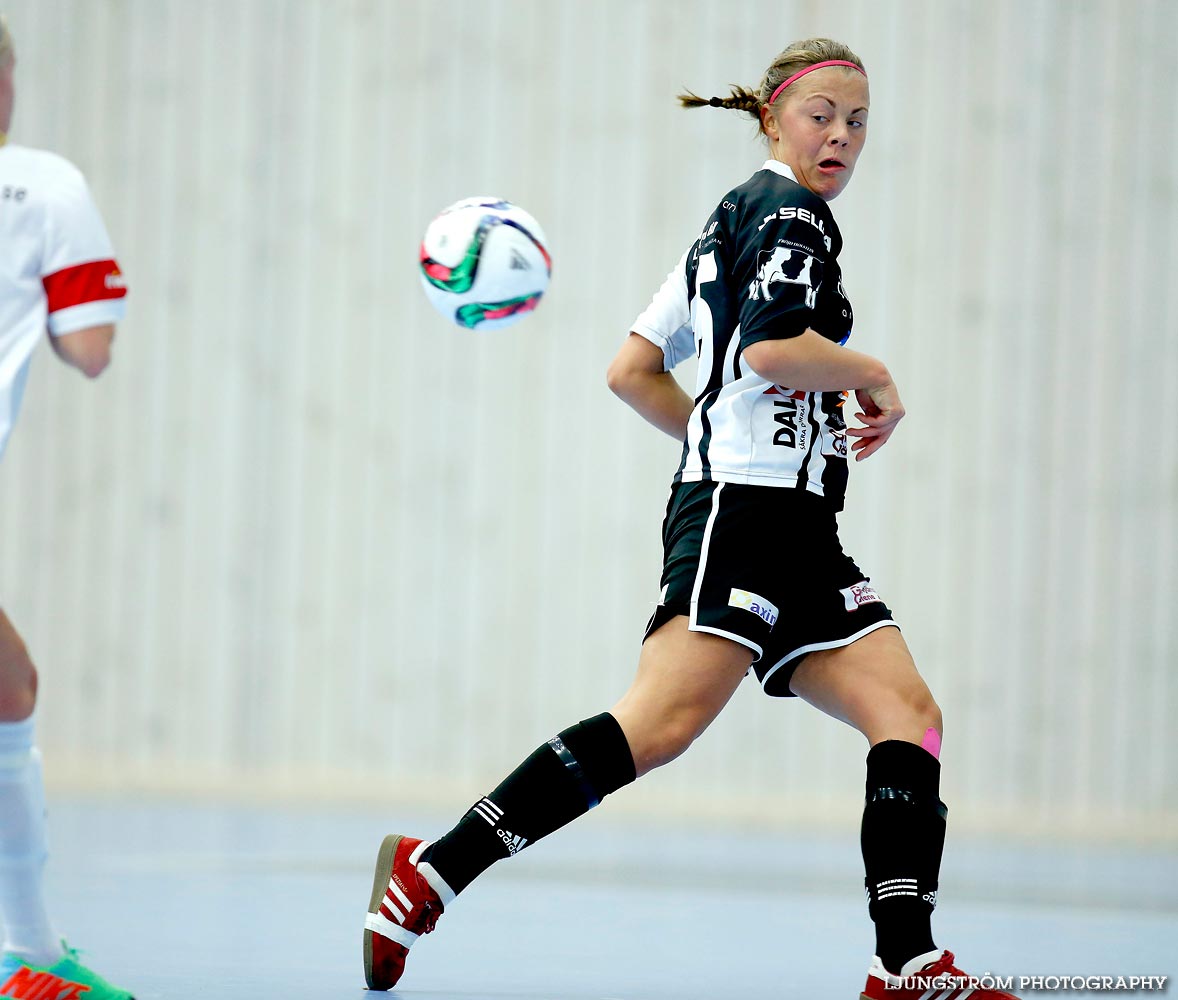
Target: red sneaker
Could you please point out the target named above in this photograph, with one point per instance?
(403, 906)
(932, 974)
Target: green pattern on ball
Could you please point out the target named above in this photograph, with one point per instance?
(474, 313)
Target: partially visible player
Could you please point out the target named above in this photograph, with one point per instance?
(57, 274)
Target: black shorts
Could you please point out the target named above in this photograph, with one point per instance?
(762, 565)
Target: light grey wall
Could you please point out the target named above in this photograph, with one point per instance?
(303, 537)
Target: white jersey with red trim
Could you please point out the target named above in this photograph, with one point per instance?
(57, 266)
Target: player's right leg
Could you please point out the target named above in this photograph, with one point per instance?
(28, 931)
(36, 962)
(684, 679)
(18, 676)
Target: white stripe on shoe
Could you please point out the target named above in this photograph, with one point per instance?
(378, 923)
(437, 883)
(405, 901)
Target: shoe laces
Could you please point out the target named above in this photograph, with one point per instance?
(431, 907)
(429, 917)
(943, 966)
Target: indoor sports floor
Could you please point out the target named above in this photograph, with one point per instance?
(206, 900)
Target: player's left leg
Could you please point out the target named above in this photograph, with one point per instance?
(36, 962)
(23, 851)
(874, 686)
(684, 680)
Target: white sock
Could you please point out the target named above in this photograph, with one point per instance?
(23, 850)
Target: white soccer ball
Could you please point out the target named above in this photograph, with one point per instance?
(484, 263)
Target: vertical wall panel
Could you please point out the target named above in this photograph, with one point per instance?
(303, 536)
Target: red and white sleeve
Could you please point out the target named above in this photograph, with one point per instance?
(83, 284)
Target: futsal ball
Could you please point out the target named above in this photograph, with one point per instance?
(484, 263)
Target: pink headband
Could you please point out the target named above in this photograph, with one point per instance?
(810, 69)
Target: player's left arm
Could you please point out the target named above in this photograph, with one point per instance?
(636, 375)
(87, 350)
(85, 290)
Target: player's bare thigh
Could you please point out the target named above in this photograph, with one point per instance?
(684, 679)
(18, 678)
(872, 685)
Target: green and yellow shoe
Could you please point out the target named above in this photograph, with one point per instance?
(65, 979)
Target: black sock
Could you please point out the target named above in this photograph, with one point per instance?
(560, 781)
(902, 837)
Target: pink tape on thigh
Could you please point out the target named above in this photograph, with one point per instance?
(932, 742)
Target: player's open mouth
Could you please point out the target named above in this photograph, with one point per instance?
(832, 164)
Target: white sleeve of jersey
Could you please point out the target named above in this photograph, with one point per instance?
(82, 280)
(666, 322)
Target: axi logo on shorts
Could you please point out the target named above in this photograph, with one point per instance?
(752, 602)
(858, 594)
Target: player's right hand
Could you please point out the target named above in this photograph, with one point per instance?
(881, 411)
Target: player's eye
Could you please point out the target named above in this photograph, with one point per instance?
(856, 123)
(820, 119)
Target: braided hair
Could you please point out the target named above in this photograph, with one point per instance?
(793, 59)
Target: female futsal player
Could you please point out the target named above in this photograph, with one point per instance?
(754, 575)
(57, 272)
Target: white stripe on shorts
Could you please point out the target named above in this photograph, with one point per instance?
(814, 646)
(692, 621)
(703, 549)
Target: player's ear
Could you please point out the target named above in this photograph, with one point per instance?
(769, 121)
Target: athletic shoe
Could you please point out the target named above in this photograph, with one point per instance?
(403, 906)
(932, 974)
(65, 979)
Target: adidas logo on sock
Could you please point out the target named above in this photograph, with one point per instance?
(514, 842)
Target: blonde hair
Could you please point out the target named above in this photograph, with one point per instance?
(795, 58)
(7, 52)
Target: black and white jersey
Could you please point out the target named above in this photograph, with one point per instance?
(764, 267)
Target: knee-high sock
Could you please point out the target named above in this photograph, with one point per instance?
(902, 836)
(29, 932)
(560, 781)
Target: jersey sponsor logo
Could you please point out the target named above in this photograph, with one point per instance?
(754, 603)
(793, 431)
(707, 238)
(787, 212)
(786, 266)
(858, 594)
